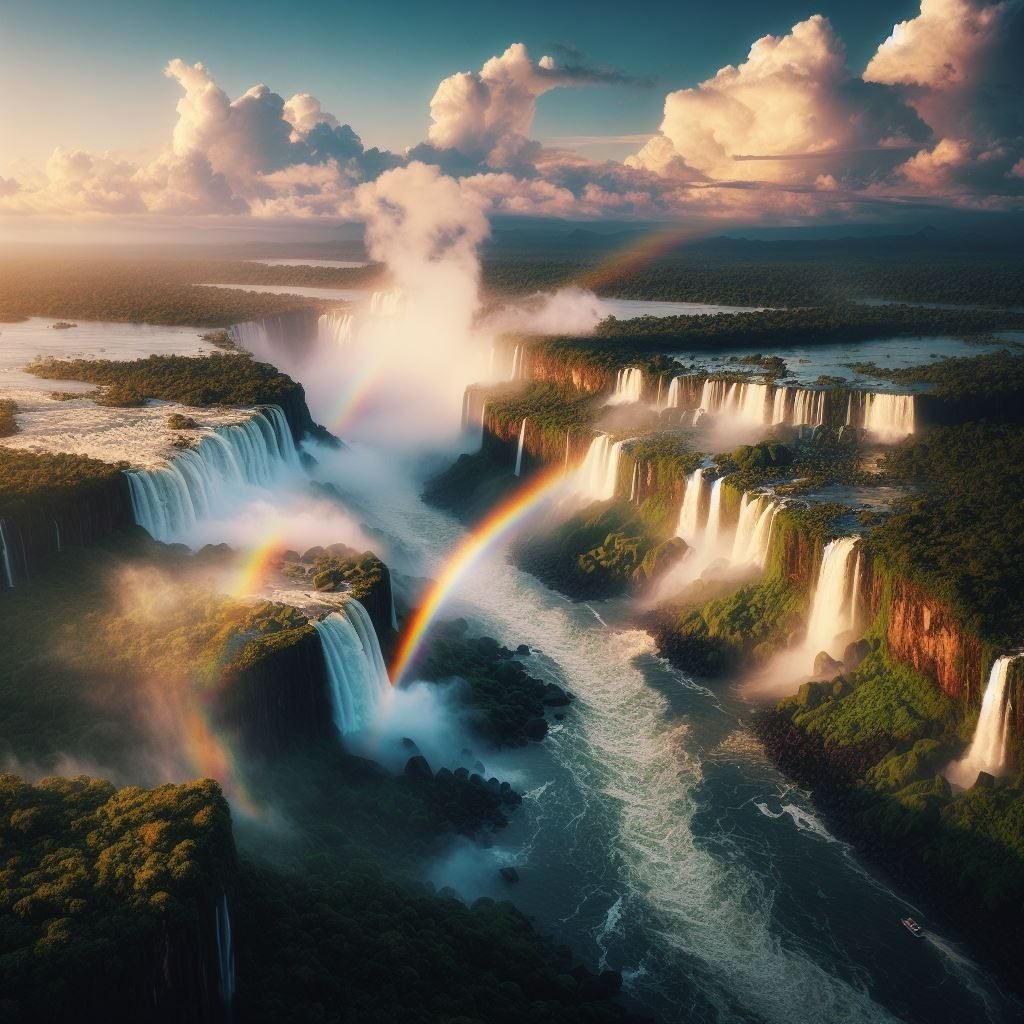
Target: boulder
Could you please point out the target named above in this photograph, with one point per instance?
(984, 781)
(854, 653)
(825, 666)
(522, 649)
(536, 729)
(417, 768)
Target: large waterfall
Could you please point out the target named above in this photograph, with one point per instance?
(225, 952)
(387, 303)
(598, 476)
(885, 417)
(519, 448)
(629, 386)
(752, 541)
(690, 513)
(356, 674)
(835, 606)
(198, 482)
(989, 749)
(336, 326)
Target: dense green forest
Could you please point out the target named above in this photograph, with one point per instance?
(138, 289)
(191, 380)
(961, 533)
(42, 478)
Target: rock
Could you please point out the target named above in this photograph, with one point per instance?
(487, 646)
(504, 653)
(855, 653)
(509, 874)
(809, 695)
(410, 744)
(984, 781)
(536, 729)
(461, 774)
(825, 666)
(554, 696)
(478, 767)
(444, 776)
(312, 555)
(522, 649)
(290, 556)
(417, 768)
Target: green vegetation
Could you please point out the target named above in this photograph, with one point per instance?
(604, 550)
(960, 535)
(872, 745)
(749, 624)
(797, 465)
(987, 376)
(189, 380)
(8, 423)
(507, 703)
(43, 480)
(346, 569)
(139, 288)
(554, 410)
(742, 272)
(94, 879)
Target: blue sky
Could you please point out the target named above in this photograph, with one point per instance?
(88, 75)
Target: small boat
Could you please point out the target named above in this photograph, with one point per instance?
(913, 927)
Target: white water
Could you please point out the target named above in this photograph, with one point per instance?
(356, 673)
(8, 570)
(519, 448)
(225, 952)
(835, 606)
(629, 386)
(885, 417)
(336, 326)
(635, 480)
(598, 476)
(198, 482)
(989, 748)
(689, 515)
(752, 540)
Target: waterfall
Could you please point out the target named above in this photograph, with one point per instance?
(672, 399)
(689, 514)
(356, 676)
(989, 747)
(519, 449)
(835, 605)
(598, 476)
(517, 362)
(629, 386)
(5, 552)
(198, 482)
(394, 612)
(713, 527)
(60, 542)
(225, 952)
(336, 327)
(754, 529)
(657, 400)
(389, 303)
(568, 436)
(634, 482)
(889, 417)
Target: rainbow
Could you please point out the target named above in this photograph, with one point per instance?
(354, 396)
(473, 546)
(254, 565)
(643, 250)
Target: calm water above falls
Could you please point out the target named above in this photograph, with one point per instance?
(655, 838)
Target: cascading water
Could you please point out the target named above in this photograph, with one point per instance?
(629, 386)
(337, 327)
(225, 952)
(835, 606)
(689, 515)
(356, 675)
(754, 529)
(989, 749)
(517, 362)
(885, 417)
(387, 303)
(672, 398)
(634, 483)
(519, 448)
(198, 482)
(598, 476)
(5, 557)
(713, 528)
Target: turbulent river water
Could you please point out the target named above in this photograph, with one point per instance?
(656, 839)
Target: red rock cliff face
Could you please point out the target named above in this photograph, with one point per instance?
(923, 633)
(543, 366)
(540, 447)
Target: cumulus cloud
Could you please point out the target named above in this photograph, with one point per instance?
(958, 65)
(791, 113)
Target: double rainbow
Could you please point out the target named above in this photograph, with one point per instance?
(498, 524)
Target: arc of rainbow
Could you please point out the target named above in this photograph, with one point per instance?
(255, 564)
(622, 261)
(474, 545)
(354, 395)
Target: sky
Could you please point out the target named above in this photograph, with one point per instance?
(736, 110)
